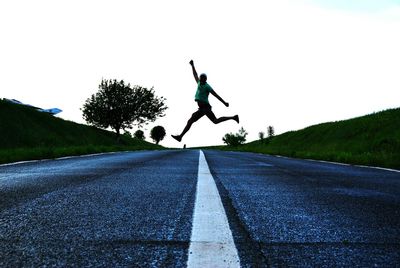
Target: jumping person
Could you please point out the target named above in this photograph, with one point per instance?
(203, 89)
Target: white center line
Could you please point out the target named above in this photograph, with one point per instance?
(211, 243)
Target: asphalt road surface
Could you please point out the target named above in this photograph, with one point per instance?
(136, 209)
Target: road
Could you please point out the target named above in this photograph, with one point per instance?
(136, 209)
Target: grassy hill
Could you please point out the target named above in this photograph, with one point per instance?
(28, 134)
(368, 140)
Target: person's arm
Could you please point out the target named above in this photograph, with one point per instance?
(219, 98)
(194, 72)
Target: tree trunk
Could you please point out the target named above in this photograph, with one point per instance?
(118, 134)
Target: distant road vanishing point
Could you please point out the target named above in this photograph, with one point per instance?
(192, 208)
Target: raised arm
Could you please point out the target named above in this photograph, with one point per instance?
(219, 98)
(196, 77)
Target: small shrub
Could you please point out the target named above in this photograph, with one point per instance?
(127, 134)
(139, 134)
(235, 139)
(261, 135)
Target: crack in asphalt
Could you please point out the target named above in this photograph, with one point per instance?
(183, 220)
(249, 250)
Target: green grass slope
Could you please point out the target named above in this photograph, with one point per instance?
(27, 134)
(368, 140)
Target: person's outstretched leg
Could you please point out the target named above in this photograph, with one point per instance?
(195, 116)
(186, 129)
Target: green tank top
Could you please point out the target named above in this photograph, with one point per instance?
(202, 92)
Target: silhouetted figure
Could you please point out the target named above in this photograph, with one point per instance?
(203, 90)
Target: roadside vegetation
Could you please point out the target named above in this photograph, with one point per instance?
(26, 134)
(368, 140)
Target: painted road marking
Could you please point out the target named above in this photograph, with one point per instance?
(261, 164)
(60, 158)
(353, 165)
(211, 243)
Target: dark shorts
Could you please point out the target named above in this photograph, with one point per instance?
(204, 109)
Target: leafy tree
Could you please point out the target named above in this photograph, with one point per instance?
(139, 134)
(235, 139)
(118, 105)
(157, 133)
(271, 131)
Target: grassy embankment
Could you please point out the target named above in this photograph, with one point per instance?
(368, 140)
(27, 134)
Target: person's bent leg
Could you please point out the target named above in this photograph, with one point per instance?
(222, 119)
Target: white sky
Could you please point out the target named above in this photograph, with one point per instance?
(289, 64)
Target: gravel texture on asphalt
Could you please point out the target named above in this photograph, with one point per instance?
(127, 209)
(305, 213)
(134, 209)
